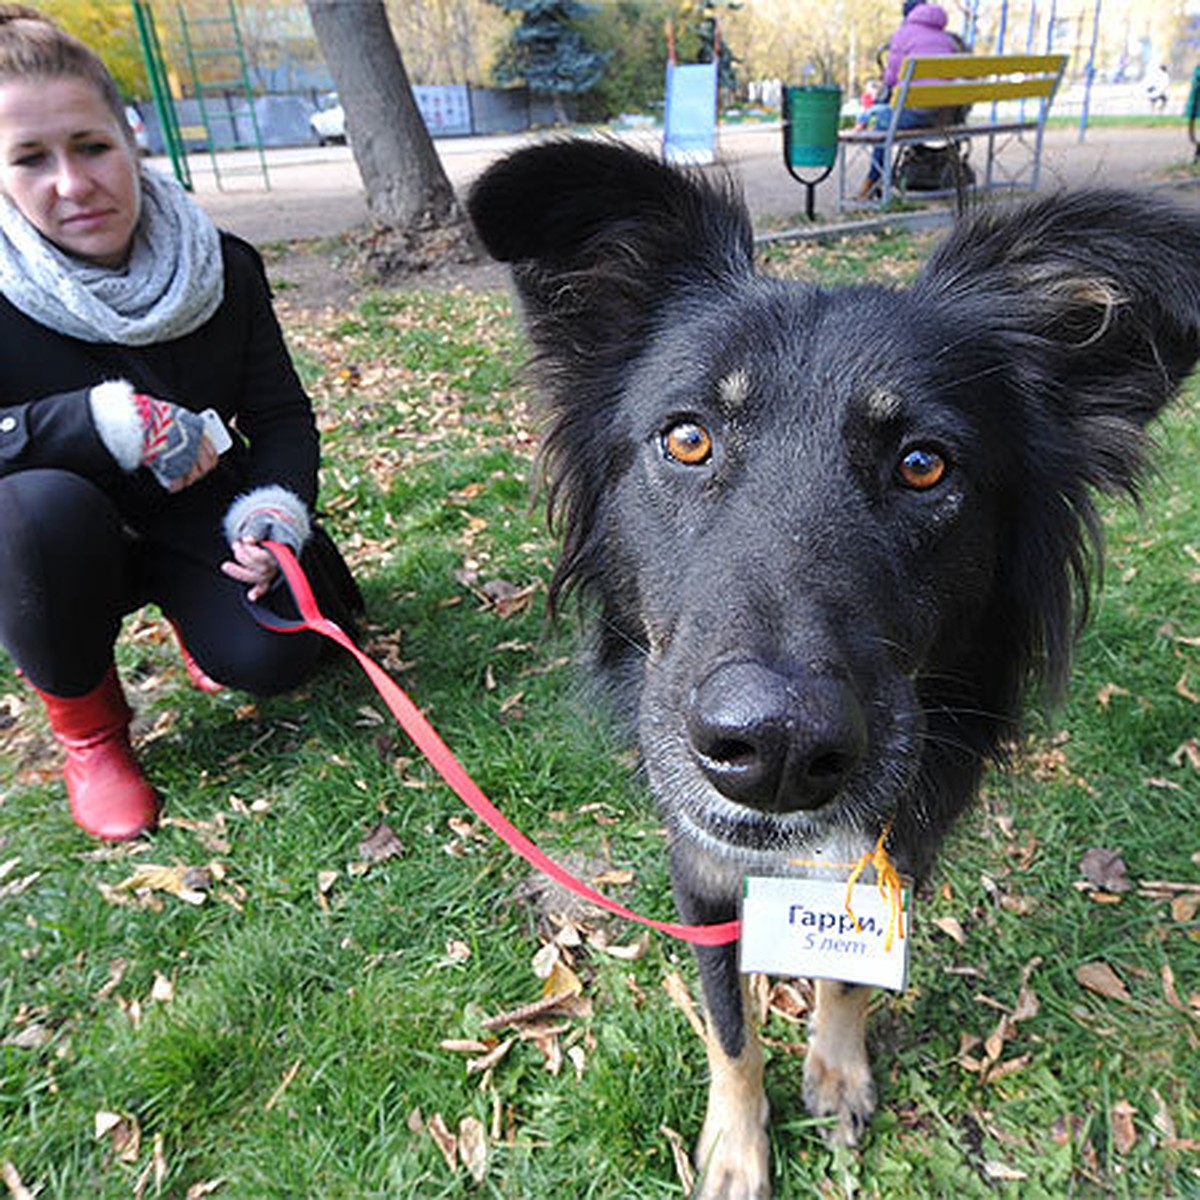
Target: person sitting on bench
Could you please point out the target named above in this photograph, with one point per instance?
(922, 31)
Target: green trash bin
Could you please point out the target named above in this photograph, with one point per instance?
(1193, 112)
(811, 117)
(1193, 102)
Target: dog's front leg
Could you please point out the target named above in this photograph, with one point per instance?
(837, 1072)
(733, 1157)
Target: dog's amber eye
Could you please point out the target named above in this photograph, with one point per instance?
(688, 443)
(922, 468)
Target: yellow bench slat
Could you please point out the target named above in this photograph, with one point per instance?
(975, 66)
(947, 95)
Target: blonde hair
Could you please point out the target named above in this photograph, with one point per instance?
(34, 47)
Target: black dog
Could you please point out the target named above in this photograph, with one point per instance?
(835, 536)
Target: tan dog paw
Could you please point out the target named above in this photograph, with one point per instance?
(733, 1155)
(844, 1091)
(837, 1072)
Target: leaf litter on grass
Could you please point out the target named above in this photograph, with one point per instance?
(411, 407)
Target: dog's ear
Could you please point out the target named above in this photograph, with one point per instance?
(1096, 297)
(602, 240)
(1083, 311)
(600, 237)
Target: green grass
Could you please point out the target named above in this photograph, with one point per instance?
(298, 1049)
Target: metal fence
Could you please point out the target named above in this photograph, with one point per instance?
(282, 119)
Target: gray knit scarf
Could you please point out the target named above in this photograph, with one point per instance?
(172, 283)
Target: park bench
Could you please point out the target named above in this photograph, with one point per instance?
(1009, 98)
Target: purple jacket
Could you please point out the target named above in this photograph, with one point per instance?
(923, 32)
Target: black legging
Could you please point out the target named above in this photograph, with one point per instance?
(70, 571)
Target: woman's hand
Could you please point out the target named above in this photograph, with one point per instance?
(253, 565)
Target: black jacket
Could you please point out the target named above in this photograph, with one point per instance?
(236, 363)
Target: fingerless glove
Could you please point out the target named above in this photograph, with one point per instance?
(270, 512)
(143, 431)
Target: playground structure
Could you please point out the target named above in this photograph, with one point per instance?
(216, 60)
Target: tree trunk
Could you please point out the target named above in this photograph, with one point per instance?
(407, 187)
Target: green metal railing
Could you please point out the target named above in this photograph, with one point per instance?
(160, 91)
(217, 40)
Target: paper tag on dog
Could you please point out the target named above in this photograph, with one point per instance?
(801, 927)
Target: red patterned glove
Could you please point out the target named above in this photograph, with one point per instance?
(143, 431)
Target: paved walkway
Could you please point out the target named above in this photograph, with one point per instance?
(316, 191)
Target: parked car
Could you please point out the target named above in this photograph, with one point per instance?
(328, 123)
(140, 138)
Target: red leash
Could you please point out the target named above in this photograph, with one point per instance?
(427, 740)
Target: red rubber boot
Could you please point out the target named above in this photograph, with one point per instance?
(109, 796)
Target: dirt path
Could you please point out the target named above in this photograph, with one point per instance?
(316, 200)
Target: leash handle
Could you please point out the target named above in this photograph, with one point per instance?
(428, 741)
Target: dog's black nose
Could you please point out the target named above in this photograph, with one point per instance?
(776, 742)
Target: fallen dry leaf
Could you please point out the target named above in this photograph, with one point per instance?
(1002, 1173)
(562, 982)
(284, 1084)
(123, 1133)
(457, 951)
(12, 1180)
(614, 876)
(786, 1000)
(473, 1147)
(1106, 869)
(1188, 751)
(205, 1187)
(1105, 695)
(1162, 1119)
(14, 887)
(1010, 1066)
(546, 1040)
(677, 991)
(445, 1141)
(562, 1005)
(967, 1042)
(155, 1169)
(189, 884)
(545, 960)
(681, 1158)
(994, 1045)
(29, 1037)
(952, 928)
(578, 1058)
(1100, 978)
(1168, 985)
(210, 834)
(515, 601)
(465, 1045)
(1124, 1134)
(1028, 1004)
(380, 844)
(488, 1060)
(630, 952)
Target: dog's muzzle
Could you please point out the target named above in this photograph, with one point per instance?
(773, 742)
